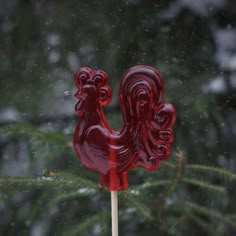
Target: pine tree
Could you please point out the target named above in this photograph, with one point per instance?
(177, 199)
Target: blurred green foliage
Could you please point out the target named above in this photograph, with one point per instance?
(42, 43)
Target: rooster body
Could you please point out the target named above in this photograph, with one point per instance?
(146, 135)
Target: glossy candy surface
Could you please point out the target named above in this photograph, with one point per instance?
(145, 138)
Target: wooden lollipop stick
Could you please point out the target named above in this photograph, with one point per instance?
(114, 213)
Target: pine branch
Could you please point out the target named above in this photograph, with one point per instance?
(81, 192)
(210, 213)
(171, 226)
(27, 130)
(204, 185)
(151, 184)
(53, 179)
(137, 203)
(201, 223)
(178, 174)
(62, 175)
(169, 164)
(28, 182)
(40, 203)
(209, 169)
(87, 223)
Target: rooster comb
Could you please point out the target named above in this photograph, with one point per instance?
(87, 76)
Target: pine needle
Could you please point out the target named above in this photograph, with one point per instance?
(210, 169)
(204, 185)
(67, 176)
(82, 192)
(57, 180)
(210, 213)
(201, 223)
(138, 204)
(87, 223)
(151, 184)
(169, 165)
(27, 130)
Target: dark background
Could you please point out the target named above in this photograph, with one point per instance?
(42, 43)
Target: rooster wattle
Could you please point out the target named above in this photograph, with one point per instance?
(146, 134)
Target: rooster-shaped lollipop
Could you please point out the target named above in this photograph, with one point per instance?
(146, 135)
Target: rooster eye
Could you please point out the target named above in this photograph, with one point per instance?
(100, 78)
(98, 81)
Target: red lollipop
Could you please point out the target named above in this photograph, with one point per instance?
(145, 138)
